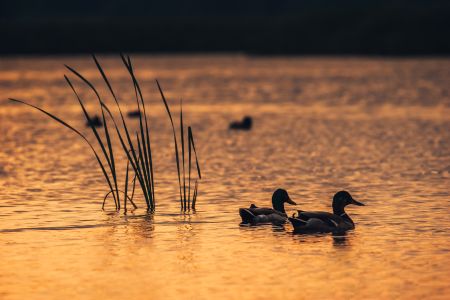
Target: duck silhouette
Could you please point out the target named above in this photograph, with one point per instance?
(245, 124)
(95, 121)
(259, 215)
(134, 114)
(319, 221)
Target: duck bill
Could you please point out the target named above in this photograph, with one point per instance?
(289, 200)
(357, 203)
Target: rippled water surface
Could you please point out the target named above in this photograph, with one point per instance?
(379, 128)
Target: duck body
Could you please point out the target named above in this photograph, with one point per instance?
(95, 121)
(324, 222)
(245, 124)
(134, 114)
(264, 215)
(320, 222)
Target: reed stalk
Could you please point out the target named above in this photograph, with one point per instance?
(174, 138)
(185, 199)
(182, 154)
(192, 144)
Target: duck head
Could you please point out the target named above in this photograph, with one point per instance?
(247, 121)
(279, 197)
(341, 200)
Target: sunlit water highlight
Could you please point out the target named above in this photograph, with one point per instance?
(378, 128)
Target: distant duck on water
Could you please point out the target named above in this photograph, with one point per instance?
(259, 215)
(319, 222)
(94, 122)
(245, 124)
(134, 114)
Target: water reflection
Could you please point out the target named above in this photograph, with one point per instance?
(132, 224)
(340, 240)
(187, 243)
(278, 228)
(142, 226)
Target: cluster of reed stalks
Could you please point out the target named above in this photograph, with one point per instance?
(136, 146)
(186, 202)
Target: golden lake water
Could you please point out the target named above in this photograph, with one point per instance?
(377, 127)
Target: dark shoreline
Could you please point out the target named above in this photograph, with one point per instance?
(136, 54)
(287, 35)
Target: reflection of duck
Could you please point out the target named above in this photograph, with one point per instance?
(276, 215)
(319, 221)
(246, 124)
(94, 122)
(340, 239)
(134, 114)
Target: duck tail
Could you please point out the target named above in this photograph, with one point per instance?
(296, 222)
(247, 216)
